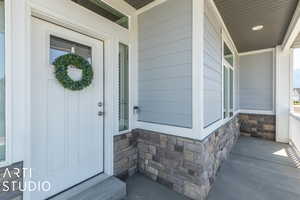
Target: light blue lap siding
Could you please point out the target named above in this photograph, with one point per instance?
(256, 81)
(165, 64)
(212, 68)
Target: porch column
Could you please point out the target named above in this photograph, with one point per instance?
(283, 63)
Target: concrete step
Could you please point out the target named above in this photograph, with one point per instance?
(110, 188)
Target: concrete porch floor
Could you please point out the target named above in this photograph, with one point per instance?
(256, 170)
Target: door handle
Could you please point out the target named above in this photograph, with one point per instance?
(100, 104)
(100, 113)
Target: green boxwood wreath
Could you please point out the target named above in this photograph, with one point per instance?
(61, 71)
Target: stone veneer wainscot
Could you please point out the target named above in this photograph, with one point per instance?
(261, 126)
(125, 155)
(184, 165)
(10, 179)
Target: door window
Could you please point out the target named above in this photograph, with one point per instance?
(59, 47)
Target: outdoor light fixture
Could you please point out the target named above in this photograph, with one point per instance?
(257, 28)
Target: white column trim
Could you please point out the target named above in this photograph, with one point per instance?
(293, 30)
(256, 52)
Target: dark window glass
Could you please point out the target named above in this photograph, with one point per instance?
(228, 55)
(231, 76)
(104, 10)
(123, 88)
(59, 47)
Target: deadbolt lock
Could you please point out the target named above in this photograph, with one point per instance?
(100, 113)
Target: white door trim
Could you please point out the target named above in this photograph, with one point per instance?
(61, 127)
(108, 83)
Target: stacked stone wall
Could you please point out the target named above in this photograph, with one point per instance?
(261, 126)
(187, 166)
(125, 155)
(11, 182)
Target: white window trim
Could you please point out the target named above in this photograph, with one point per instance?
(257, 112)
(197, 84)
(226, 37)
(213, 127)
(8, 84)
(197, 131)
(132, 44)
(229, 67)
(130, 90)
(273, 110)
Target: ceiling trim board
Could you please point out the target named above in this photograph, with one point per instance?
(150, 6)
(256, 52)
(293, 30)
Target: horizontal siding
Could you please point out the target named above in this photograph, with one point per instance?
(256, 81)
(212, 68)
(165, 64)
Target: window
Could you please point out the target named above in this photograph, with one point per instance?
(101, 8)
(225, 89)
(2, 84)
(123, 88)
(59, 47)
(228, 83)
(231, 92)
(228, 55)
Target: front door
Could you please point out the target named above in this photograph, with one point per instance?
(67, 128)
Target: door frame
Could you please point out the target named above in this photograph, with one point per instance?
(109, 85)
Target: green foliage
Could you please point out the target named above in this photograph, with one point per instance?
(61, 71)
(296, 102)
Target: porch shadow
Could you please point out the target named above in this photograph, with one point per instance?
(258, 170)
(139, 187)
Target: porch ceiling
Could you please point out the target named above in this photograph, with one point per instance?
(137, 4)
(240, 16)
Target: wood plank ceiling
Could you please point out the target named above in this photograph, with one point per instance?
(137, 4)
(241, 15)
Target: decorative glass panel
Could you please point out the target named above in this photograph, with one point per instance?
(101, 8)
(2, 84)
(123, 88)
(228, 55)
(59, 47)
